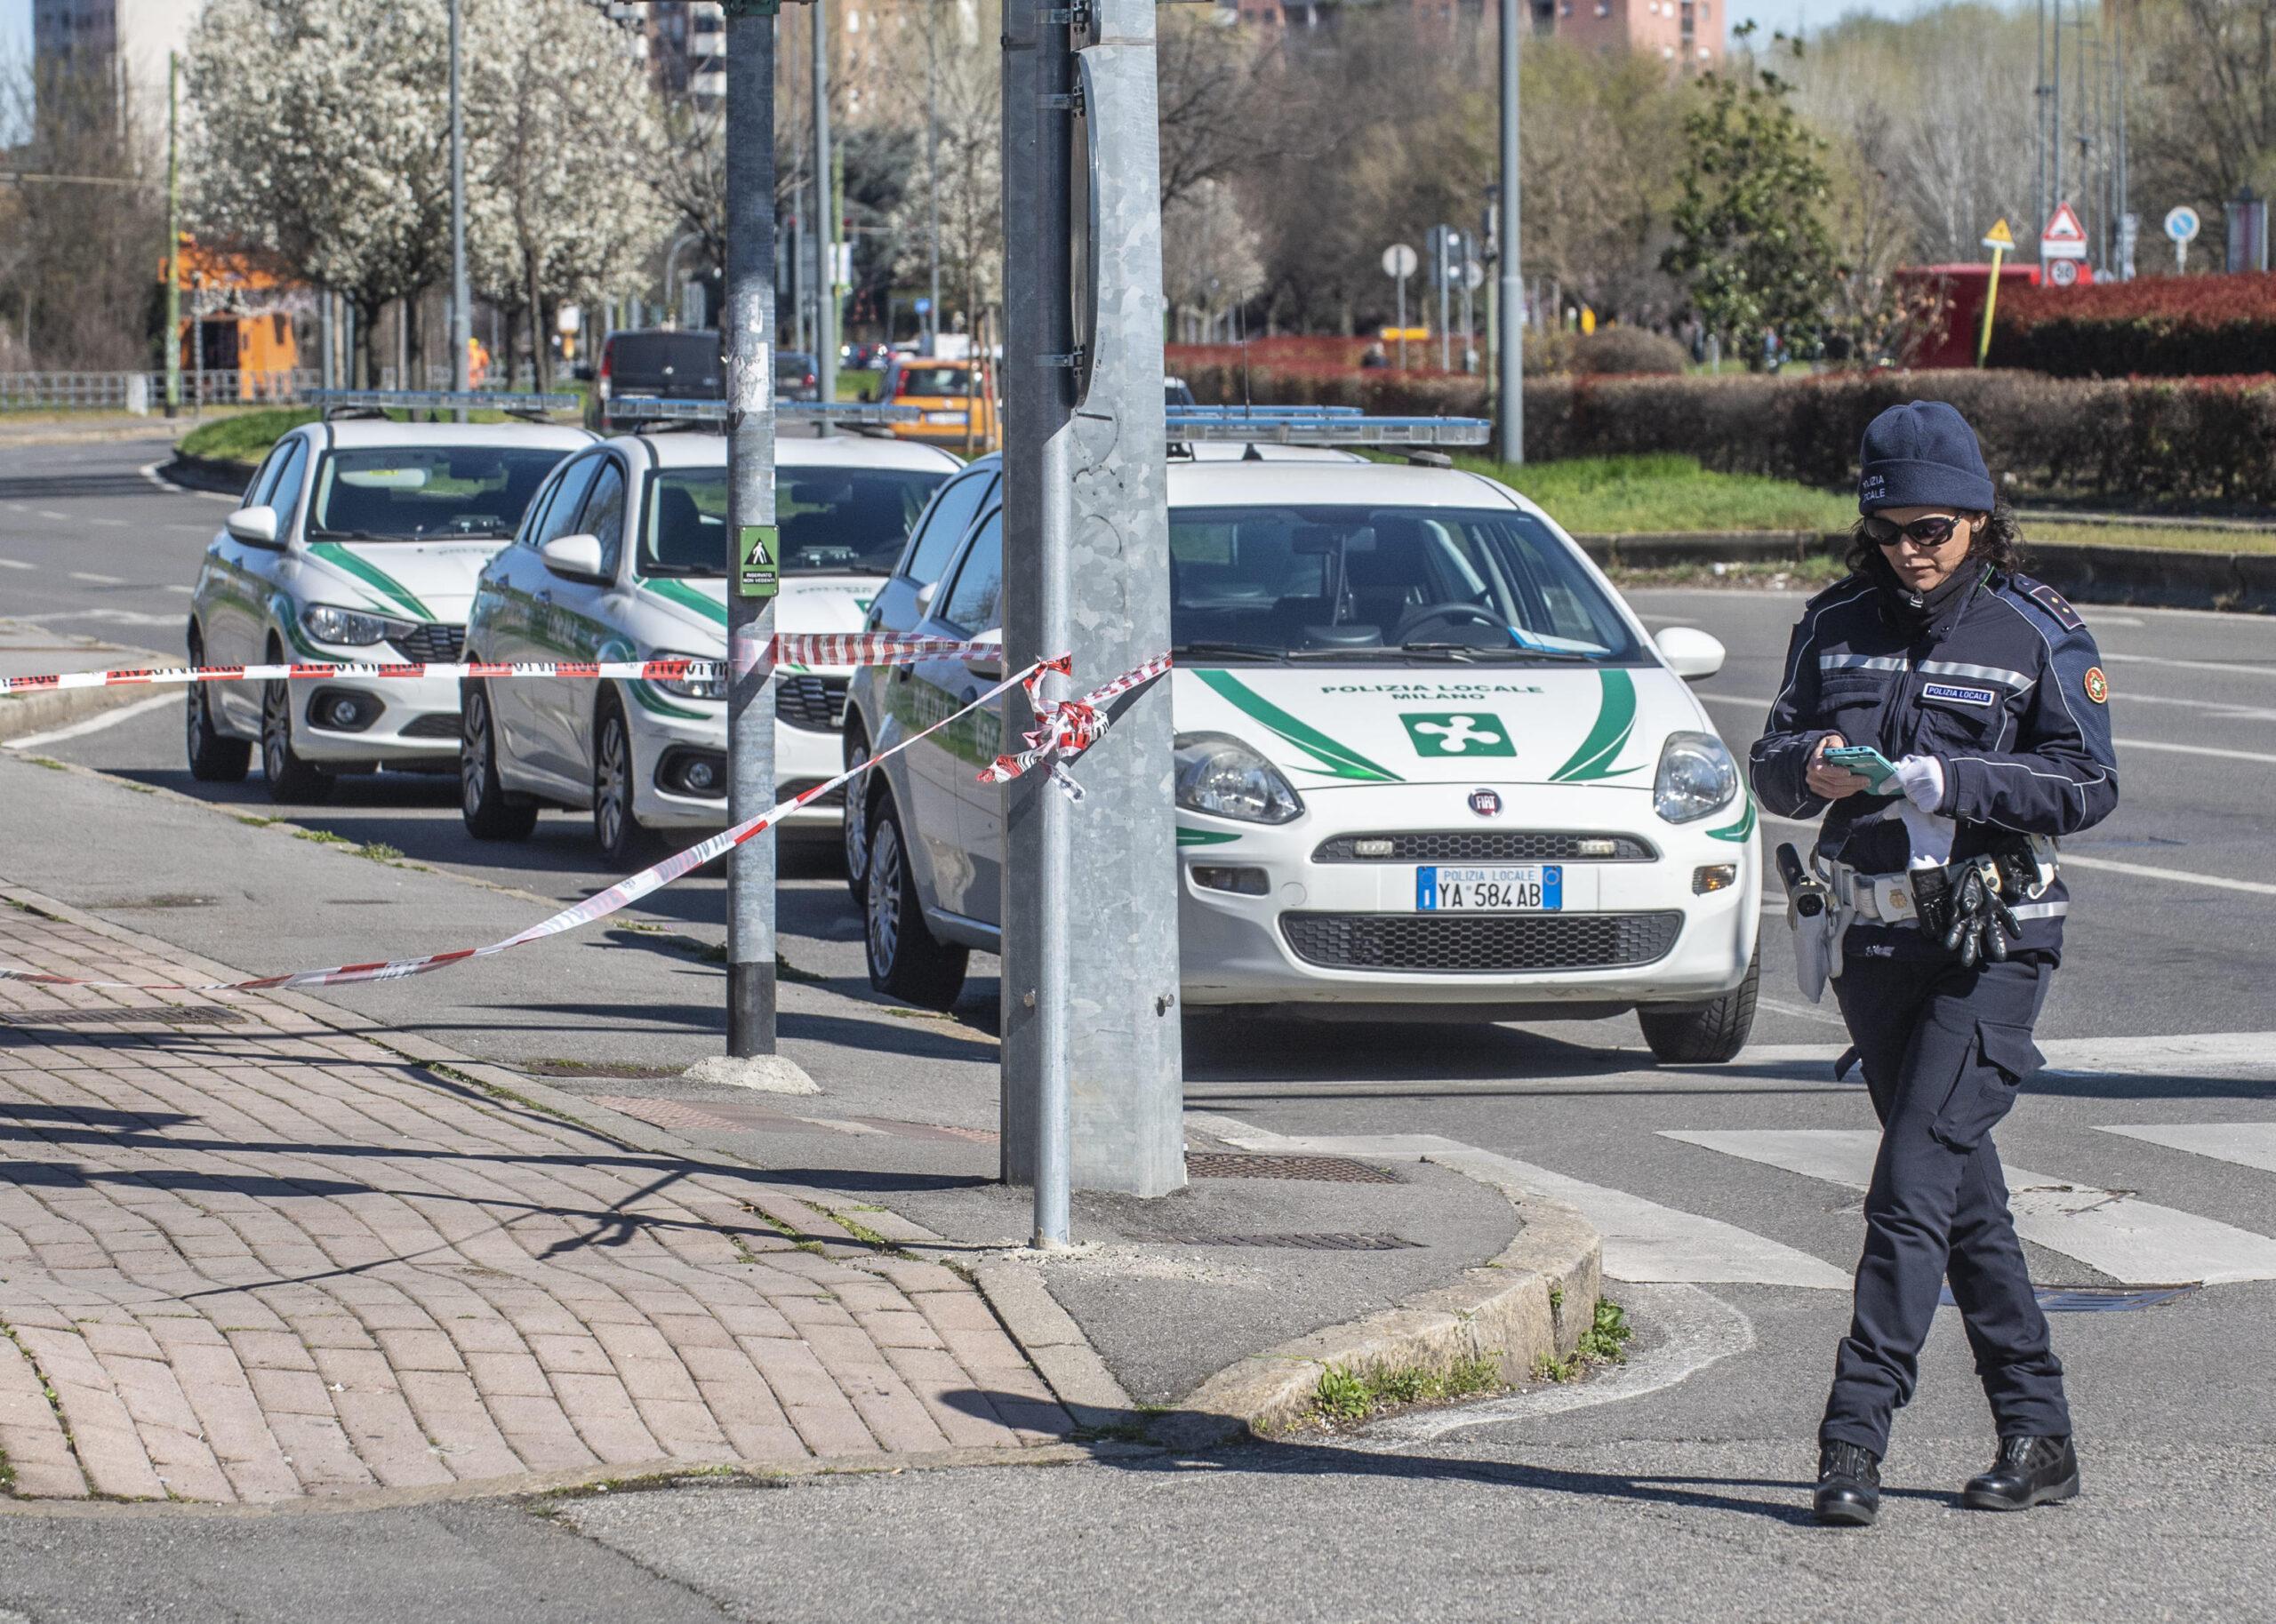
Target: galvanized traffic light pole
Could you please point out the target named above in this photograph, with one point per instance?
(1512, 353)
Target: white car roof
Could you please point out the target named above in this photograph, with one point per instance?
(709, 450)
(1241, 484)
(351, 432)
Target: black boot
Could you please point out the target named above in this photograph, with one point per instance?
(2026, 1472)
(1849, 1484)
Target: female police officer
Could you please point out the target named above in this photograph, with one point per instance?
(1945, 915)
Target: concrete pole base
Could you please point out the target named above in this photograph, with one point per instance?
(772, 1073)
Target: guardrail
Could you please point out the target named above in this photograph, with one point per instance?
(145, 392)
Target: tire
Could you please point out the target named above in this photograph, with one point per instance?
(906, 959)
(854, 837)
(491, 811)
(292, 782)
(1706, 1036)
(214, 757)
(616, 828)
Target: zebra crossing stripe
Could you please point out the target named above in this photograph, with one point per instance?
(2138, 1243)
(2246, 1144)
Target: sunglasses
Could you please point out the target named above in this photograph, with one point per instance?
(1931, 532)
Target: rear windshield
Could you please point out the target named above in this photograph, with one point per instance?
(639, 359)
(416, 493)
(830, 519)
(934, 379)
(1269, 582)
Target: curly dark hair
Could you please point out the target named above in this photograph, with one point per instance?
(1999, 543)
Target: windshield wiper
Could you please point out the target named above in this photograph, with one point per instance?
(320, 534)
(1228, 651)
(679, 572)
(1523, 650)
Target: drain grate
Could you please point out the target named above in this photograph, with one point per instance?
(170, 1014)
(1238, 1165)
(1298, 1243)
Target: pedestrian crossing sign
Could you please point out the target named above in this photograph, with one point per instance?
(757, 552)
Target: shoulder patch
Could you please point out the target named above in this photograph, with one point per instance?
(2097, 685)
(2048, 598)
(1846, 584)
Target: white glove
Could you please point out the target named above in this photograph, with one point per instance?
(1922, 779)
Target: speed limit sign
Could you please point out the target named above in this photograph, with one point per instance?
(2062, 273)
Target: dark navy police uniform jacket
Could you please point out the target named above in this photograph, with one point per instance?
(2009, 693)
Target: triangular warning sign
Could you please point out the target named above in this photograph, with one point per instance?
(1999, 236)
(2063, 228)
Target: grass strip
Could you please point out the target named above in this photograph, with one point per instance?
(1347, 1396)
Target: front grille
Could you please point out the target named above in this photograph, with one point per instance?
(814, 704)
(1486, 846)
(1480, 944)
(442, 724)
(435, 644)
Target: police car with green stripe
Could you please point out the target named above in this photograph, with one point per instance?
(1428, 764)
(624, 556)
(359, 539)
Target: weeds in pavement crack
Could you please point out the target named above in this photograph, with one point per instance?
(1347, 1395)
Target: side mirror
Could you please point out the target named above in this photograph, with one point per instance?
(989, 667)
(576, 558)
(253, 526)
(1690, 653)
(925, 596)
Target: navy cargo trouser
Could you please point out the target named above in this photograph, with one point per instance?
(1944, 1050)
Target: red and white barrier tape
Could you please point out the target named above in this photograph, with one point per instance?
(628, 891)
(790, 648)
(1066, 728)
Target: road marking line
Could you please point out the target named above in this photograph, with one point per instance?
(95, 724)
(2136, 1241)
(1803, 1011)
(2121, 1057)
(2257, 888)
(16, 564)
(1692, 1329)
(97, 580)
(49, 512)
(2190, 664)
(2245, 1144)
(2225, 713)
(2194, 749)
(185, 591)
(1643, 1240)
(149, 471)
(109, 524)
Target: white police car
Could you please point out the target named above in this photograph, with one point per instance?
(1429, 763)
(359, 541)
(624, 556)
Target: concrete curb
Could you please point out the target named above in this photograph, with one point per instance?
(214, 474)
(22, 715)
(1532, 1302)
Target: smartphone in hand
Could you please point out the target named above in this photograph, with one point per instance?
(1876, 768)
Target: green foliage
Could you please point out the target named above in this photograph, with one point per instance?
(243, 436)
(1352, 1395)
(1664, 492)
(1751, 241)
(1606, 1340)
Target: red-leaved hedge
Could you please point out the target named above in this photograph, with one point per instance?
(2154, 326)
(2123, 442)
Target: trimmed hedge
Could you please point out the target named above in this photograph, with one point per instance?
(2128, 442)
(2155, 327)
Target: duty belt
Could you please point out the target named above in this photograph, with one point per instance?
(1887, 899)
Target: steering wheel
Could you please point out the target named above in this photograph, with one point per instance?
(1470, 613)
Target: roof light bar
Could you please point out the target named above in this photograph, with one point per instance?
(1331, 426)
(642, 409)
(1265, 411)
(437, 400)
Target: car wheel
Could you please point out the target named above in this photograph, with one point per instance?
(905, 958)
(492, 811)
(292, 782)
(855, 829)
(214, 757)
(1708, 1035)
(622, 841)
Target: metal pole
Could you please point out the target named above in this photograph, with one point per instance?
(2055, 118)
(1443, 266)
(173, 235)
(751, 518)
(1511, 383)
(461, 310)
(2125, 175)
(323, 337)
(2038, 129)
(825, 216)
(933, 177)
(1402, 324)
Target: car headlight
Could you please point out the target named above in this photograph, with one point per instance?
(692, 687)
(1697, 777)
(1220, 775)
(351, 627)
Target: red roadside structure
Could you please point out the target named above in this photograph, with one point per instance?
(1961, 289)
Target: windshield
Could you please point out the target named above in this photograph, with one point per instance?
(949, 380)
(1437, 583)
(830, 519)
(420, 493)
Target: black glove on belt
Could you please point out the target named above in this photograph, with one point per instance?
(1960, 905)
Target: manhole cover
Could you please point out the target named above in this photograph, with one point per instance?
(171, 1015)
(669, 1114)
(1240, 1164)
(1297, 1243)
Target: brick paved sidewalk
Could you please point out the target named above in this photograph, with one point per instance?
(264, 1259)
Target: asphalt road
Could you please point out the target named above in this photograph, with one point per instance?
(1727, 1194)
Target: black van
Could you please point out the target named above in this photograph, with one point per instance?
(658, 363)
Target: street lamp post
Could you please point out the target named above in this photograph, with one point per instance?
(462, 313)
(825, 219)
(1511, 383)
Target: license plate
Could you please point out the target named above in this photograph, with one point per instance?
(945, 417)
(1535, 888)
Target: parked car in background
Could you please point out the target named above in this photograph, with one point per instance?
(358, 541)
(624, 556)
(951, 396)
(797, 375)
(654, 363)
